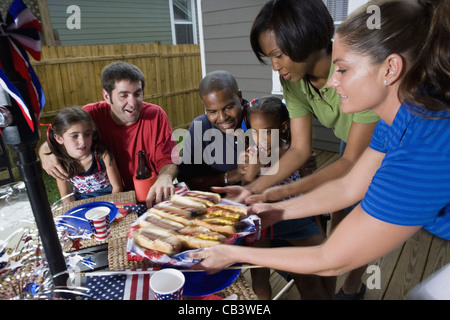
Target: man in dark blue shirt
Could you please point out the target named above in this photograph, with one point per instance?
(215, 140)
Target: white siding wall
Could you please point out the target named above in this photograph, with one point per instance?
(226, 28)
(113, 21)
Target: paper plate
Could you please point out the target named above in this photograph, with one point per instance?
(202, 284)
(74, 219)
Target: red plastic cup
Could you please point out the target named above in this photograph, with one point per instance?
(141, 187)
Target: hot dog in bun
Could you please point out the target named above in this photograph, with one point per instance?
(227, 210)
(200, 237)
(224, 226)
(209, 196)
(172, 213)
(155, 219)
(199, 200)
(222, 218)
(158, 239)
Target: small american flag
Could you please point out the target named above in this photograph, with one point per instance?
(119, 287)
(138, 208)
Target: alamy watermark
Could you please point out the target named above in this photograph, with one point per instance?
(374, 21)
(74, 20)
(374, 280)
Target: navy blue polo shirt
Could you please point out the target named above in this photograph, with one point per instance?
(207, 151)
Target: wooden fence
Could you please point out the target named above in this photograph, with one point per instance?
(70, 76)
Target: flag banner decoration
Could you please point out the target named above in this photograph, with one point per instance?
(22, 31)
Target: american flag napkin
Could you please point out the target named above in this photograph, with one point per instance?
(119, 287)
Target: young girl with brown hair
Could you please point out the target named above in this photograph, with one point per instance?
(73, 139)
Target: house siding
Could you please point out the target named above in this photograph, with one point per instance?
(113, 22)
(226, 30)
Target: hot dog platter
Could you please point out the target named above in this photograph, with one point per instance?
(189, 221)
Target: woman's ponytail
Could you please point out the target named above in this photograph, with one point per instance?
(427, 83)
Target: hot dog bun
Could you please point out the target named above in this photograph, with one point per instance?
(174, 209)
(197, 243)
(200, 237)
(222, 218)
(190, 202)
(209, 196)
(227, 208)
(154, 219)
(158, 239)
(202, 233)
(174, 214)
(215, 225)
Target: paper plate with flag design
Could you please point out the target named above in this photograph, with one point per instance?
(74, 221)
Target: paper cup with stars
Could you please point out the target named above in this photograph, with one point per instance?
(167, 284)
(100, 223)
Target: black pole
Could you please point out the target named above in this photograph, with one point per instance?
(31, 172)
(19, 135)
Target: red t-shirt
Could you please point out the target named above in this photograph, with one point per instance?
(152, 133)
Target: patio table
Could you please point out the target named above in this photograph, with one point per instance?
(117, 242)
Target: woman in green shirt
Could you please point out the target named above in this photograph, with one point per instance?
(304, 71)
(296, 35)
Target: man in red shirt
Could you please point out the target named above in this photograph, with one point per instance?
(127, 124)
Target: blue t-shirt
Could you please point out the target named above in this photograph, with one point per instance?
(412, 185)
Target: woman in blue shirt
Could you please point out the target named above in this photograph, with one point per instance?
(401, 72)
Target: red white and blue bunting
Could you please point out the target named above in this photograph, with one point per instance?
(22, 30)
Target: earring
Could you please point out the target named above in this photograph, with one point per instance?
(385, 82)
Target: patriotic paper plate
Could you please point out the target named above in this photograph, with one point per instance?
(75, 222)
